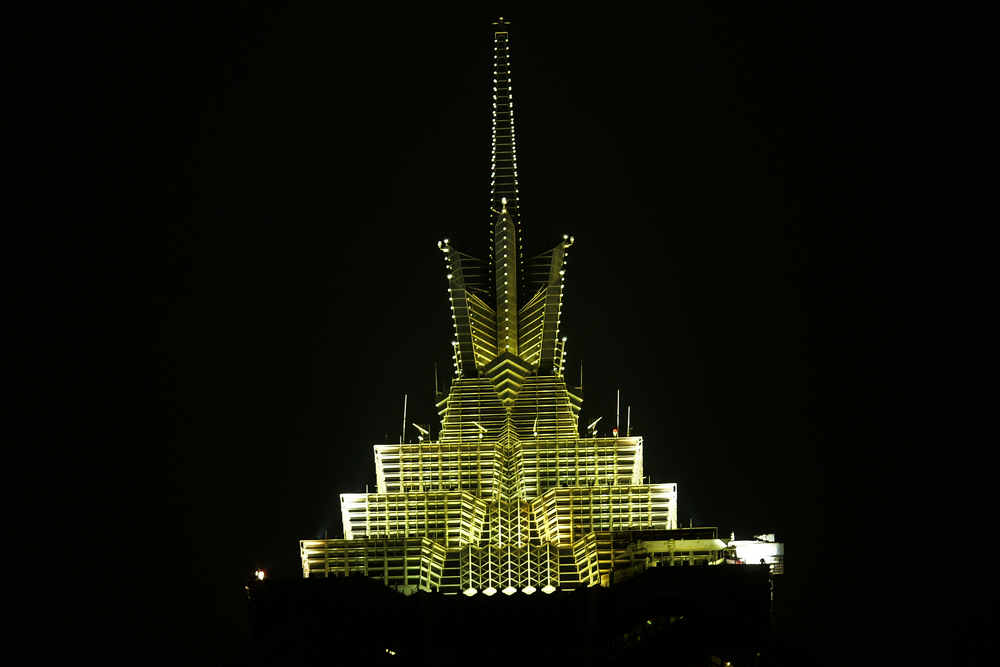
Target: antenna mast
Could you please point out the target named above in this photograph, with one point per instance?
(618, 412)
(402, 436)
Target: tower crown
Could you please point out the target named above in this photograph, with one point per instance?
(509, 497)
(506, 312)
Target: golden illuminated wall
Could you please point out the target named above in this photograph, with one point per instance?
(407, 564)
(566, 515)
(452, 518)
(538, 535)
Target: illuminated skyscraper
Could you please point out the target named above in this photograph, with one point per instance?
(510, 497)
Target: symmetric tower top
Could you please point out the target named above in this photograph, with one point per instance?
(506, 310)
(509, 498)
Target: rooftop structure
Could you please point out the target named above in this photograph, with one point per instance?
(511, 497)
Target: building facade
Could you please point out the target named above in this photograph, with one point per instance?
(510, 497)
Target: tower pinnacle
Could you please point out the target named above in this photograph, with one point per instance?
(503, 172)
(506, 311)
(503, 183)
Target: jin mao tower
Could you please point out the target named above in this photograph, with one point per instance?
(510, 496)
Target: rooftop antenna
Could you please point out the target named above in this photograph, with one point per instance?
(402, 435)
(581, 374)
(628, 422)
(436, 392)
(618, 412)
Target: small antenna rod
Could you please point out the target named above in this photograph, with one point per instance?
(628, 423)
(618, 412)
(402, 435)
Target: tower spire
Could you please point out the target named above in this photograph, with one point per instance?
(503, 177)
(503, 183)
(506, 312)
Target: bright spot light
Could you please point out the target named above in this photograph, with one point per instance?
(259, 574)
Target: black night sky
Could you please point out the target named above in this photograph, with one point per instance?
(256, 280)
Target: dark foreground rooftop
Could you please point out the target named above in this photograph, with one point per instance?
(667, 615)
